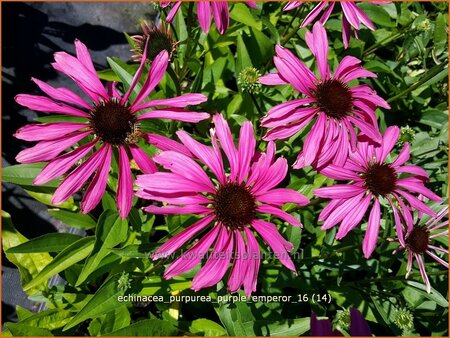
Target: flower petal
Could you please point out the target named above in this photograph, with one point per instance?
(281, 196)
(47, 105)
(47, 131)
(124, 184)
(373, 227)
(96, 188)
(177, 241)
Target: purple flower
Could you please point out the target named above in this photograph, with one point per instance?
(417, 242)
(374, 180)
(108, 120)
(219, 9)
(332, 107)
(352, 16)
(231, 206)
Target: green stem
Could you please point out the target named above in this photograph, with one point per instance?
(429, 75)
(175, 79)
(258, 108)
(387, 40)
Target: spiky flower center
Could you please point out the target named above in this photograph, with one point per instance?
(234, 206)
(418, 240)
(248, 80)
(158, 41)
(113, 122)
(380, 179)
(334, 98)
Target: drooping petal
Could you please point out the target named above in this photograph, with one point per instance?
(221, 15)
(177, 241)
(423, 272)
(373, 226)
(76, 179)
(279, 245)
(144, 162)
(189, 259)
(96, 188)
(124, 184)
(254, 260)
(354, 218)
(217, 264)
(47, 150)
(63, 163)
(314, 13)
(47, 131)
(204, 15)
(239, 270)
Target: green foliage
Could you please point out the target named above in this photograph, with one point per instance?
(408, 51)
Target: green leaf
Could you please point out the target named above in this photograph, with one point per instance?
(106, 299)
(148, 327)
(241, 13)
(434, 295)
(66, 258)
(21, 330)
(112, 321)
(135, 250)
(29, 265)
(206, 327)
(243, 57)
(24, 174)
(440, 33)
(377, 14)
(46, 243)
(237, 319)
(49, 319)
(108, 75)
(43, 195)
(124, 72)
(287, 328)
(111, 231)
(73, 219)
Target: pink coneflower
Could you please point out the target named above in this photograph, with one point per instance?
(231, 206)
(219, 9)
(111, 122)
(159, 39)
(374, 180)
(333, 107)
(417, 242)
(352, 16)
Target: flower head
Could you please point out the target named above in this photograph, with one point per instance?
(248, 80)
(417, 242)
(404, 319)
(219, 10)
(111, 121)
(231, 206)
(374, 181)
(352, 16)
(330, 104)
(159, 39)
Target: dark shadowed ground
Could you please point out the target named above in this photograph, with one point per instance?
(31, 33)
